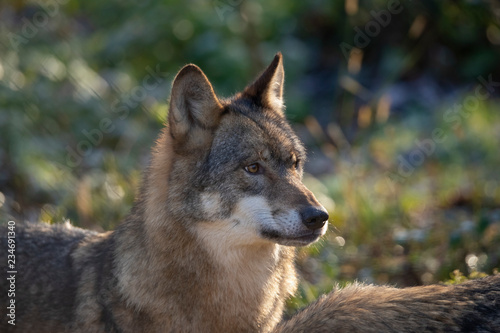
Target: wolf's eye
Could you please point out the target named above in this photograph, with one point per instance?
(253, 168)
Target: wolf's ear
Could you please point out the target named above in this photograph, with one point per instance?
(194, 107)
(267, 90)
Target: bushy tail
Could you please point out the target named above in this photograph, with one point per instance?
(473, 306)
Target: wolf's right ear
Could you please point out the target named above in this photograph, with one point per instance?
(267, 90)
(194, 107)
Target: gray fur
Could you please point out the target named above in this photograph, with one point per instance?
(470, 307)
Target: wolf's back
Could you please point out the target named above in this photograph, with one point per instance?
(45, 277)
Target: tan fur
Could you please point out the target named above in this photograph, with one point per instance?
(471, 307)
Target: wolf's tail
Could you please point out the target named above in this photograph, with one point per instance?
(473, 306)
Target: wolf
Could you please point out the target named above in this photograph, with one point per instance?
(209, 243)
(473, 306)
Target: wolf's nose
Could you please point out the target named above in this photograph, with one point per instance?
(314, 218)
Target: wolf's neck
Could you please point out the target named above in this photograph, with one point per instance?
(256, 279)
(182, 279)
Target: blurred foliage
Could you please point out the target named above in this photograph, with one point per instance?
(458, 277)
(84, 88)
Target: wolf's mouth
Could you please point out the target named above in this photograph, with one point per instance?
(292, 240)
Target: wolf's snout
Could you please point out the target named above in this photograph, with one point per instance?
(314, 218)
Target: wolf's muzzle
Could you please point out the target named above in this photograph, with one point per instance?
(314, 217)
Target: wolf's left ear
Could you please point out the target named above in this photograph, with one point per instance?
(194, 107)
(267, 90)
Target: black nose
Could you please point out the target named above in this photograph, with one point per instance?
(313, 218)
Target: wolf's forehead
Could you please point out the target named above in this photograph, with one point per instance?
(279, 140)
(270, 134)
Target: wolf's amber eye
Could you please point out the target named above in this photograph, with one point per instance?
(253, 168)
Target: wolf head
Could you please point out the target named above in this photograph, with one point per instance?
(234, 165)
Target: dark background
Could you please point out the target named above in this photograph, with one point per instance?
(391, 98)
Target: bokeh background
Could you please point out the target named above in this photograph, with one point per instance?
(397, 102)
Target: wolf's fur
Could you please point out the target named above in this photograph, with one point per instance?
(207, 246)
(473, 306)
